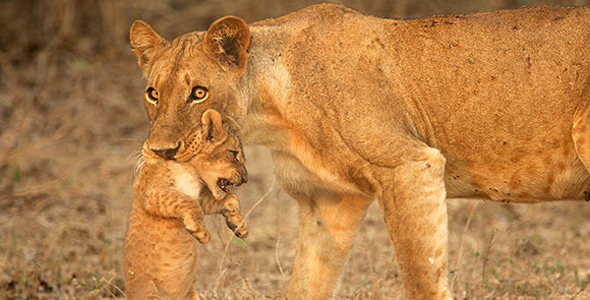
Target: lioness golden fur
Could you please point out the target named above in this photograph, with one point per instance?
(409, 112)
(166, 218)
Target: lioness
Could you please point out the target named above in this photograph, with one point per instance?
(160, 253)
(356, 108)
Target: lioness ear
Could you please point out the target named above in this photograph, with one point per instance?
(212, 126)
(228, 41)
(145, 42)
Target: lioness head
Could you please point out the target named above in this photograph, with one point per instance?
(185, 77)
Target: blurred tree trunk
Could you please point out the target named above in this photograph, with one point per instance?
(114, 25)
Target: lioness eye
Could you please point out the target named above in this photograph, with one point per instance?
(198, 94)
(152, 95)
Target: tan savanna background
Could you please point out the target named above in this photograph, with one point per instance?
(72, 119)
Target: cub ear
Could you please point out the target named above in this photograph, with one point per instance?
(145, 42)
(212, 126)
(228, 41)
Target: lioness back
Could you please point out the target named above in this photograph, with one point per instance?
(495, 92)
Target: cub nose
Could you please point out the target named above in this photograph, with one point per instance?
(245, 176)
(166, 152)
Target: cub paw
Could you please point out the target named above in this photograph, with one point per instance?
(197, 230)
(239, 231)
(235, 222)
(201, 234)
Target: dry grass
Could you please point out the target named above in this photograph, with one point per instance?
(71, 118)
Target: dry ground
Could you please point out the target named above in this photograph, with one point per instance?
(71, 121)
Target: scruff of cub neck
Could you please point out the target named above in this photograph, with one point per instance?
(185, 179)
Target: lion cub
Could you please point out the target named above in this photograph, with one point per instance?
(171, 197)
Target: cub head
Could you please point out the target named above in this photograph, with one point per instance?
(195, 72)
(213, 152)
(220, 159)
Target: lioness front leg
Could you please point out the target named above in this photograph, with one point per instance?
(327, 225)
(414, 209)
(170, 203)
(229, 207)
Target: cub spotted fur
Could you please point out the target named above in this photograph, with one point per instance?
(167, 214)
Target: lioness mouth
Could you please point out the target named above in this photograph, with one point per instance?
(224, 184)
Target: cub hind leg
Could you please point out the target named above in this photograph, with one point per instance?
(194, 295)
(147, 290)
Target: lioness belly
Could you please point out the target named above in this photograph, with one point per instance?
(516, 148)
(527, 181)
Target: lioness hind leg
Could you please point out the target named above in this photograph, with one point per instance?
(581, 135)
(414, 209)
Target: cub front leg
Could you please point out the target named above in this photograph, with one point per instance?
(229, 207)
(233, 217)
(170, 203)
(414, 209)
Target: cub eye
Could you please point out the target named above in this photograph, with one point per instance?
(234, 154)
(198, 94)
(151, 95)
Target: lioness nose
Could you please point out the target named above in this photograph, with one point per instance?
(165, 140)
(165, 152)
